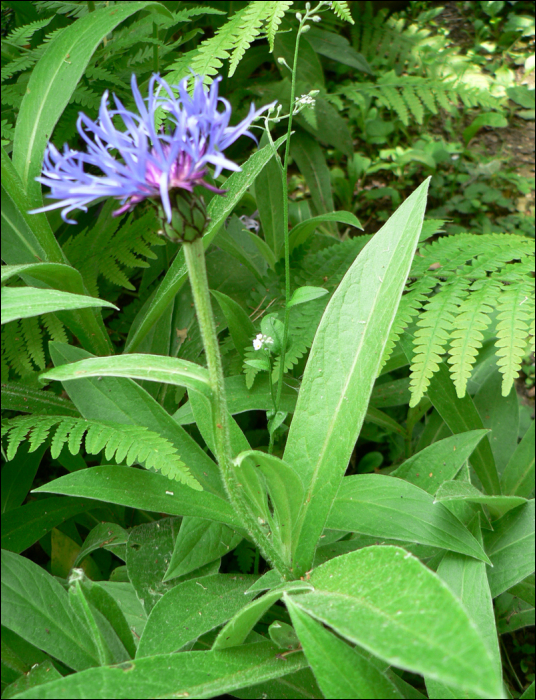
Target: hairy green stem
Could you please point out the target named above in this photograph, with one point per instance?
(194, 254)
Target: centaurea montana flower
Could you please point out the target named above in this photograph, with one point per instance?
(151, 163)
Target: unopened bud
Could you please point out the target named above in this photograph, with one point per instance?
(282, 62)
(305, 28)
(299, 16)
(316, 18)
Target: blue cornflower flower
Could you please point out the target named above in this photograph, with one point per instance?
(152, 163)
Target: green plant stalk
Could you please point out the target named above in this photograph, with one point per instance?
(194, 254)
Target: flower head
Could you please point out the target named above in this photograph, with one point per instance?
(262, 340)
(140, 162)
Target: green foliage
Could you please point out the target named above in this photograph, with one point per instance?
(413, 96)
(454, 287)
(113, 248)
(123, 443)
(233, 38)
(403, 366)
(23, 351)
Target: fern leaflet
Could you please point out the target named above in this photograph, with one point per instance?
(129, 443)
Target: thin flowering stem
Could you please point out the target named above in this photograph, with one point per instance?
(285, 233)
(309, 14)
(194, 254)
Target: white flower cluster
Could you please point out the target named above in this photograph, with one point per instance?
(262, 340)
(305, 100)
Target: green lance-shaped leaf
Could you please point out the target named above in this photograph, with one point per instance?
(341, 672)
(154, 368)
(29, 593)
(388, 602)
(25, 302)
(194, 674)
(343, 365)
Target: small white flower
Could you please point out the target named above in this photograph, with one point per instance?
(262, 340)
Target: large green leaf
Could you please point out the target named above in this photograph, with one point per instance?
(388, 602)
(461, 416)
(240, 325)
(286, 494)
(144, 490)
(341, 672)
(26, 238)
(24, 302)
(343, 366)
(35, 606)
(301, 232)
(191, 609)
(440, 461)
(518, 476)
(154, 368)
(218, 210)
(56, 274)
(312, 164)
(53, 81)
(196, 674)
(511, 548)
(452, 491)
(500, 414)
(24, 526)
(123, 401)
(468, 581)
(269, 199)
(381, 506)
(19, 397)
(237, 629)
(199, 542)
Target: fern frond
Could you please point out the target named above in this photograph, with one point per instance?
(112, 246)
(8, 131)
(71, 9)
(432, 336)
(33, 336)
(392, 100)
(410, 305)
(427, 97)
(18, 65)
(211, 52)
(100, 73)
(14, 349)
(21, 35)
(54, 327)
(413, 103)
(473, 274)
(342, 11)
(250, 28)
(275, 12)
(86, 97)
(514, 309)
(467, 337)
(130, 443)
(11, 95)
